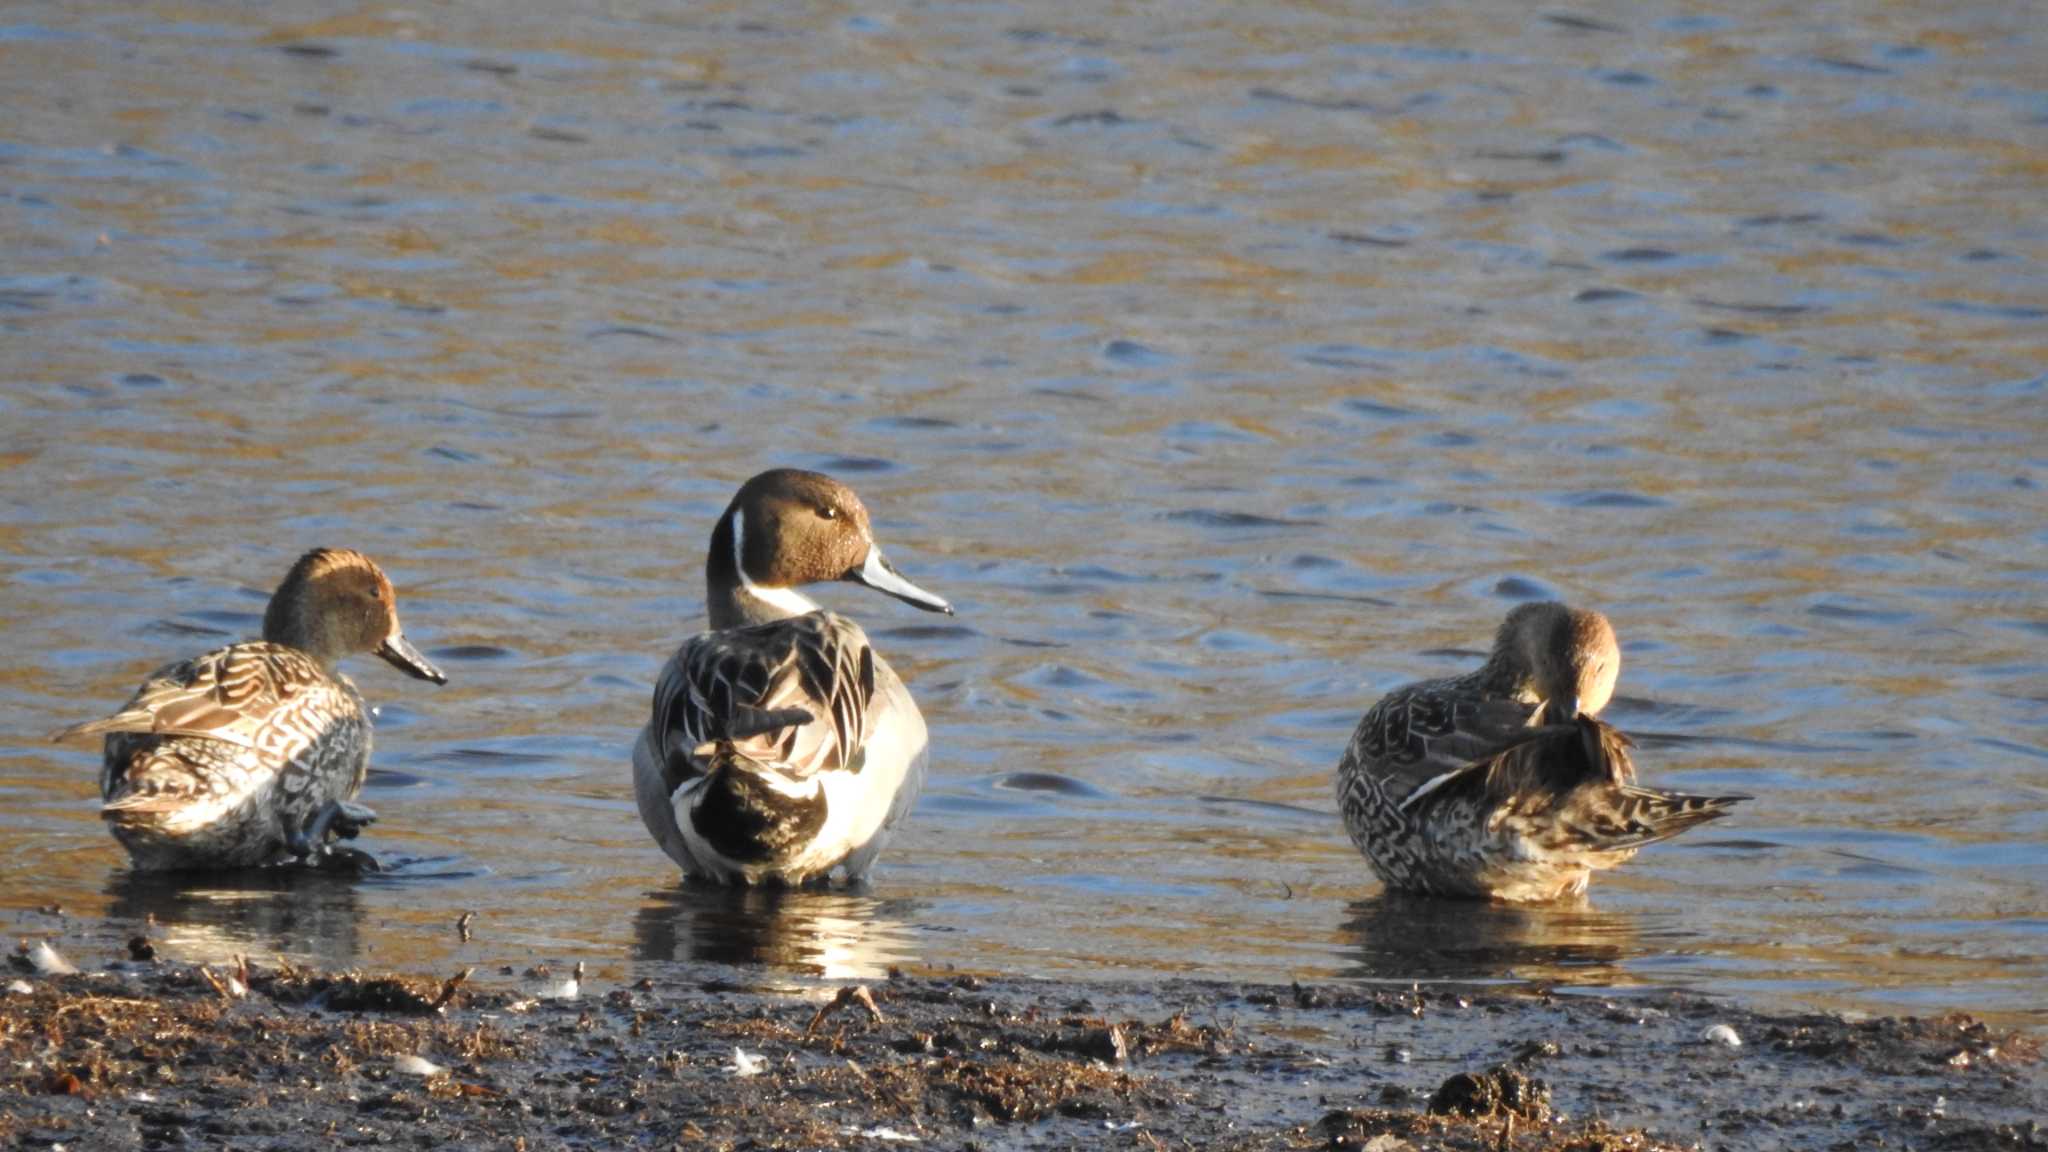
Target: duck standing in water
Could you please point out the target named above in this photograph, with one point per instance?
(1502, 783)
(781, 745)
(256, 750)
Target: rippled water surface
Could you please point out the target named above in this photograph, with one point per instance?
(1226, 365)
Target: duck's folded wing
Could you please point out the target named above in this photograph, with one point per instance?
(262, 696)
(795, 693)
(1416, 741)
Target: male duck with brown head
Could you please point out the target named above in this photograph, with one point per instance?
(1501, 783)
(255, 751)
(782, 747)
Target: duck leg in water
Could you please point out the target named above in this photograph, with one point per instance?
(343, 820)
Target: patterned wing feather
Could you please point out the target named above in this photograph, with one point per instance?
(721, 686)
(1418, 739)
(264, 697)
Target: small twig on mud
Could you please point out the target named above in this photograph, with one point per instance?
(102, 1002)
(462, 924)
(851, 994)
(1507, 1134)
(229, 989)
(448, 988)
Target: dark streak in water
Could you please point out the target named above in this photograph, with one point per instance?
(1755, 309)
(1101, 117)
(1047, 782)
(924, 632)
(1327, 105)
(1840, 611)
(1612, 500)
(1377, 410)
(912, 423)
(630, 330)
(1265, 806)
(1997, 311)
(1857, 67)
(1640, 255)
(1367, 240)
(1454, 653)
(1578, 23)
(469, 757)
(1709, 740)
(180, 628)
(861, 464)
(472, 652)
(1773, 219)
(1215, 518)
(1107, 575)
(1602, 295)
(2016, 749)
(1523, 588)
(1334, 597)
(518, 414)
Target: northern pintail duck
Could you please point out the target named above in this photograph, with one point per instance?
(781, 745)
(256, 750)
(1502, 782)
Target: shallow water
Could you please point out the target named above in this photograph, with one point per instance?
(1224, 368)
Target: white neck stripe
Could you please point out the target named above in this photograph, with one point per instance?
(787, 600)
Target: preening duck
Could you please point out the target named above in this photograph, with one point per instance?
(1503, 783)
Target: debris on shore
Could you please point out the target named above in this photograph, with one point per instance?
(142, 1054)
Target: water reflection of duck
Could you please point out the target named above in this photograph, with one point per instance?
(1396, 936)
(835, 934)
(204, 918)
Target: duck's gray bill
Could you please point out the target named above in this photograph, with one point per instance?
(882, 576)
(407, 659)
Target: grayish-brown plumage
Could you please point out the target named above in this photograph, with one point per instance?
(249, 752)
(781, 746)
(1503, 783)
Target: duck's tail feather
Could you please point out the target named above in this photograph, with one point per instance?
(139, 720)
(746, 723)
(1638, 816)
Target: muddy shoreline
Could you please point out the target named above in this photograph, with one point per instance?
(146, 1053)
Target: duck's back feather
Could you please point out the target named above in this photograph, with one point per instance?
(216, 759)
(795, 693)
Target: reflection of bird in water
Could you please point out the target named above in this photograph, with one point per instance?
(835, 934)
(203, 918)
(1396, 936)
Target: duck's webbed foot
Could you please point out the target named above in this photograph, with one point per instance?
(338, 820)
(344, 818)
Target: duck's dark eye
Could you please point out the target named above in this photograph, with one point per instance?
(827, 512)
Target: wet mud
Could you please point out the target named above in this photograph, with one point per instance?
(144, 1053)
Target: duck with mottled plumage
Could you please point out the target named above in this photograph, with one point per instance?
(254, 752)
(1503, 783)
(782, 746)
